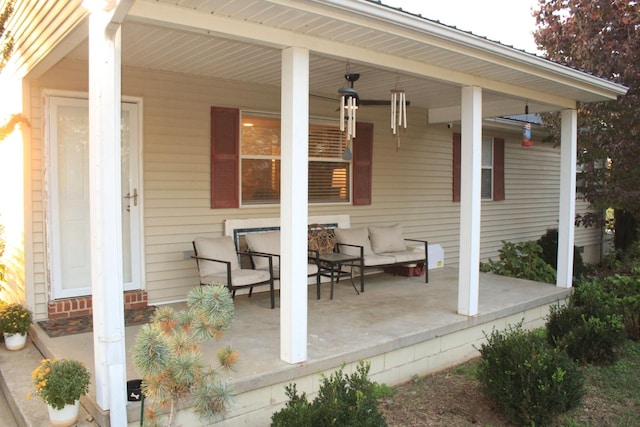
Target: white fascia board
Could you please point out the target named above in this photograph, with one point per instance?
(474, 46)
(190, 20)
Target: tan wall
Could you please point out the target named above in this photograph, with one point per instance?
(412, 185)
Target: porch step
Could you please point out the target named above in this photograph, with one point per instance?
(15, 384)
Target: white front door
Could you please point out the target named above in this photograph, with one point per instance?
(68, 216)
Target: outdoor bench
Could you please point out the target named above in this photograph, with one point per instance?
(383, 246)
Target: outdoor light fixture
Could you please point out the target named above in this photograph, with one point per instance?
(526, 130)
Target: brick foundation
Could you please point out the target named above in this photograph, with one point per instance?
(82, 306)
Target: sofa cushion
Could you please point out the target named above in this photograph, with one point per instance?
(407, 256)
(354, 236)
(220, 248)
(386, 238)
(268, 242)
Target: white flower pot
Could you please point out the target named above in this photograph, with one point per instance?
(64, 417)
(15, 341)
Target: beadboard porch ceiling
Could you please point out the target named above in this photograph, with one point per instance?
(242, 39)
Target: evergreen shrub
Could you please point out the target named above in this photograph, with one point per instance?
(532, 382)
(588, 326)
(343, 400)
(549, 244)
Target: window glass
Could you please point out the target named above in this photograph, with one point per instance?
(329, 174)
(487, 168)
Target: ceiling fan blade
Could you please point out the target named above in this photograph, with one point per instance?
(375, 102)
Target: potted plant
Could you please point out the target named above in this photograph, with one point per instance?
(60, 383)
(15, 321)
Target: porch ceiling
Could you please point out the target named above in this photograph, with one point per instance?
(241, 40)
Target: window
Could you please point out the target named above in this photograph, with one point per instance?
(245, 161)
(492, 175)
(329, 174)
(487, 168)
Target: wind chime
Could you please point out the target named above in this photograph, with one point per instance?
(398, 113)
(348, 107)
(526, 129)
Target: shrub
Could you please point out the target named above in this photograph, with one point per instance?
(587, 327)
(522, 260)
(625, 298)
(528, 379)
(549, 244)
(343, 400)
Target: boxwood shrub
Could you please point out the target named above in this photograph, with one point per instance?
(343, 400)
(532, 382)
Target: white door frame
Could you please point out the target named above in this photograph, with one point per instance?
(133, 105)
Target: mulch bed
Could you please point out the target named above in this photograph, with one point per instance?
(81, 324)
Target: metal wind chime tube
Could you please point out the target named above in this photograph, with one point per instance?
(348, 105)
(398, 112)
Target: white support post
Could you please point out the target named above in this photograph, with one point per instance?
(294, 204)
(470, 198)
(105, 212)
(566, 223)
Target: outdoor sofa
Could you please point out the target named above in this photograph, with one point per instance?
(383, 246)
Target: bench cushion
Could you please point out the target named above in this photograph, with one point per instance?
(354, 236)
(267, 242)
(386, 238)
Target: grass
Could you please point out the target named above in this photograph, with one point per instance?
(613, 393)
(453, 398)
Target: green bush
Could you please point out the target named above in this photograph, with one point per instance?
(522, 260)
(624, 292)
(588, 326)
(549, 244)
(532, 382)
(343, 400)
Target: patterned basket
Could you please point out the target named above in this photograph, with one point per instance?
(321, 239)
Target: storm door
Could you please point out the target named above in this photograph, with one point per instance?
(68, 213)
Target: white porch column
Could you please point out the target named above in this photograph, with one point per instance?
(470, 197)
(105, 209)
(294, 204)
(566, 227)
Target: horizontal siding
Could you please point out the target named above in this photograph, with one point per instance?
(412, 185)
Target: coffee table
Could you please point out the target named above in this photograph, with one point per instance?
(331, 266)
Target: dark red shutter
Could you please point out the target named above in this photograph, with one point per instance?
(456, 166)
(225, 125)
(362, 164)
(498, 169)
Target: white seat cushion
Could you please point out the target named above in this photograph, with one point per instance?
(371, 260)
(386, 238)
(242, 277)
(220, 248)
(267, 242)
(406, 256)
(354, 236)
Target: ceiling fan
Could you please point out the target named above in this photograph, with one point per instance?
(350, 91)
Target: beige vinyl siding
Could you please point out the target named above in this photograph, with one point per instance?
(412, 185)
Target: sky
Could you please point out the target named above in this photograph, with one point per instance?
(507, 21)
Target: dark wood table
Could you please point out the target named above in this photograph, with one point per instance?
(331, 266)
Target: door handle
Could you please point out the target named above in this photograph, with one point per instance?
(133, 196)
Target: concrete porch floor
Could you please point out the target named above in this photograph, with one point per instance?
(392, 313)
